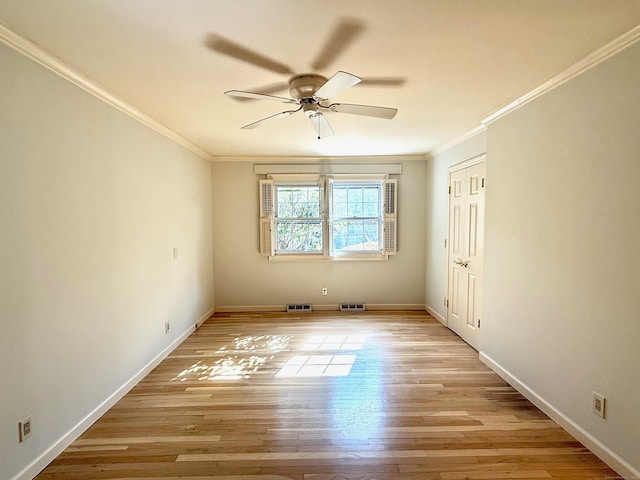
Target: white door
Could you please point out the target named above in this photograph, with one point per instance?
(466, 247)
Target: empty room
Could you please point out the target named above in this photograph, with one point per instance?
(339, 240)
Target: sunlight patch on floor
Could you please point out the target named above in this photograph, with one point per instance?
(334, 342)
(325, 365)
(317, 366)
(244, 358)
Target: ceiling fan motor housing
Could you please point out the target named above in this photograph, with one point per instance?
(305, 86)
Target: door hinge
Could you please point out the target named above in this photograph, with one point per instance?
(478, 323)
(483, 183)
(449, 189)
(445, 243)
(446, 302)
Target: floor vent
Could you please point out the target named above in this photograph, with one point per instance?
(299, 307)
(352, 307)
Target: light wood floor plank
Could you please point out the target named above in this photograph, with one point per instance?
(253, 397)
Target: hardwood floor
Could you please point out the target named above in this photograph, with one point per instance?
(324, 396)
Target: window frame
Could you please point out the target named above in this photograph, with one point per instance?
(387, 219)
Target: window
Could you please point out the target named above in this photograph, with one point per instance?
(328, 217)
(356, 218)
(298, 218)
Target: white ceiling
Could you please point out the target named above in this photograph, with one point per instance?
(459, 60)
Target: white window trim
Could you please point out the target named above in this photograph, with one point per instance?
(267, 234)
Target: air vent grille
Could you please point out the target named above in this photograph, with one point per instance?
(352, 307)
(299, 307)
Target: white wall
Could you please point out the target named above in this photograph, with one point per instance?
(436, 187)
(91, 205)
(562, 302)
(244, 278)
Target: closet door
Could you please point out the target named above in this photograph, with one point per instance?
(466, 248)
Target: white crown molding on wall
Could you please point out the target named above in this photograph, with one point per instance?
(328, 168)
(572, 71)
(35, 53)
(373, 159)
(463, 138)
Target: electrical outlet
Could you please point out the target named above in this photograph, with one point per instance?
(167, 327)
(24, 429)
(325, 292)
(598, 403)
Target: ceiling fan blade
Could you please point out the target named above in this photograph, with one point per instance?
(320, 125)
(269, 118)
(341, 37)
(264, 90)
(231, 49)
(367, 110)
(336, 84)
(259, 96)
(382, 81)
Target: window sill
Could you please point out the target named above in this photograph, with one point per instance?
(354, 257)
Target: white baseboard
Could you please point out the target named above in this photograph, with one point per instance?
(204, 317)
(395, 306)
(315, 307)
(605, 454)
(35, 467)
(436, 315)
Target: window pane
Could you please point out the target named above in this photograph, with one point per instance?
(340, 193)
(299, 236)
(298, 201)
(356, 235)
(356, 200)
(340, 209)
(371, 209)
(355, 194)
(371, 194)
(355, 209)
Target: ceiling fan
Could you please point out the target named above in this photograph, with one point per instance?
(312, 92)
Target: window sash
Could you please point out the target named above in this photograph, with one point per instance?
(296, 236)
(367, 238)
(348, 211)
(299, 217)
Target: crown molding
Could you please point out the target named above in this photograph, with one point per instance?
(581, 66)
(35, 53)
(463, 138)
(328, 168)
(297, 160)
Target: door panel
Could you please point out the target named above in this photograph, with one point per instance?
(471, 302)
(466, 248)
(474, 185)
(473, 230)
(456, 229)
(455, 294)
(457, 187)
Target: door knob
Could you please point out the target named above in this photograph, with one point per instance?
(460, 262)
